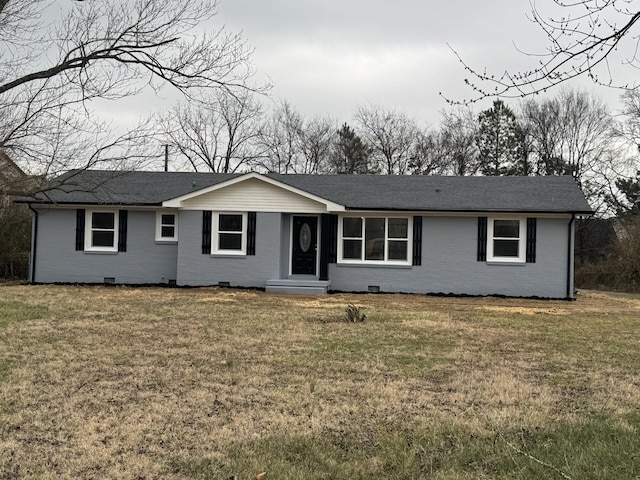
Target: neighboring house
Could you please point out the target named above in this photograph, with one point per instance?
(12, 178)
(510, 236)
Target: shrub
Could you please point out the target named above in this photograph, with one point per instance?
(15, 237)
(354, 314)
(620, 269)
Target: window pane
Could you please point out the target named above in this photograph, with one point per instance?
(104, 220)
(506, 228)
(398, 227)
(352, 227)
(230, 241)
(168, 220)
(168, 232)
(352, 249)
(102, 239)
(230, 223)
(397, 250)
(505, 248)
(374, 238)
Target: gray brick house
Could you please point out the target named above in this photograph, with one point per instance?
(510, 236)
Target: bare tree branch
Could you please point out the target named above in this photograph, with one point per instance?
(582, 39)
(58, 58)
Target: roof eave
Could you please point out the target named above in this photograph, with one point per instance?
(92, 204)
(474, 210)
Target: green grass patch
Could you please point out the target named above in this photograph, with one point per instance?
(598, 448)
(12, 311)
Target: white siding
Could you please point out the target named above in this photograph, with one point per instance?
(255, 196)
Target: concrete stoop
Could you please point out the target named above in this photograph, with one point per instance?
(308, 287)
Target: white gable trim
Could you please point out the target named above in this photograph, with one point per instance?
(178, 202)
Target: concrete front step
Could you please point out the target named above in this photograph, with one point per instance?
(309, 287)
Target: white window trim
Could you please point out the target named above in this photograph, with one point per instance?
(351, 261)
(215, 232)
(522, 241)
(159, 237)
(88, 231)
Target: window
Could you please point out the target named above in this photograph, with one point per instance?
(230, 234)
(506, 240)
(374, 240)
(101, 231)
(166, 227)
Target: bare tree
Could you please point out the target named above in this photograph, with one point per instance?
(584, 37)
(391, 135)
(573, 134)
(317, 137)
(430, 154)
(215, 135)
(623, 194)
(459, 129)
(58, 59)
(543, 128)
(629, 128)
(587, 142)
(279, 140)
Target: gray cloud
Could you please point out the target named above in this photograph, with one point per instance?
(328, 56)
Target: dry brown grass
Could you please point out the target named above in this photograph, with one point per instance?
(127, 383)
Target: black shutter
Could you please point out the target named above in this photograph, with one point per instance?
(333, 239)
(417, 241)
(531, 240)
(482, 239)
(80, 216)
(251, 233)
(122, 230)
(206, 231)
(325, 240)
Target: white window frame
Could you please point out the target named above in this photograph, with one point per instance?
(522, 241)
(88, 233)
(159, 225)
(386, 261)
(215, 234)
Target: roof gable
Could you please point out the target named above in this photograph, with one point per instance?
(256, 193)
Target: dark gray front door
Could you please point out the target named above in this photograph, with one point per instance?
(305, 245)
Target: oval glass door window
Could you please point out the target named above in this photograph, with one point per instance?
(305, 237)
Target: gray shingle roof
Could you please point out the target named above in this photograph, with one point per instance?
(553, 194)
(93, 187)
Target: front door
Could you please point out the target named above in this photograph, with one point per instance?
(304, 245)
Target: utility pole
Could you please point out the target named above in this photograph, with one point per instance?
(166, 157)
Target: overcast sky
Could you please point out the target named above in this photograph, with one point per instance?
(329, 56)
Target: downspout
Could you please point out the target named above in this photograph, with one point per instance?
(34, 242)
(570, 255)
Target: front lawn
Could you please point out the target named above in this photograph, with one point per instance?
(117, 382)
